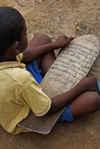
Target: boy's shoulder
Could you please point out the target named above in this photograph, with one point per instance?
(16, 75)
(21, 75)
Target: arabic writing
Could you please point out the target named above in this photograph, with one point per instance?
(73, 64)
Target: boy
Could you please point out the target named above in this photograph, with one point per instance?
(20, 93)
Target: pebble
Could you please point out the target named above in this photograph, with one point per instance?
(84, 26)
(76, 10)
(78, 28)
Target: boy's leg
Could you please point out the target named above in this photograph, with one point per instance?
(45, 61)
(84, 104)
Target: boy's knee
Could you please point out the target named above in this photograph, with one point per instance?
(44, 38)
(94, 100)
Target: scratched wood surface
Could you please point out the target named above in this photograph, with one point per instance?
(70, 67)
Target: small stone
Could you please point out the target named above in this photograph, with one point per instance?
(76, 10)
(84, 26)
(57, 19)
(78, 28)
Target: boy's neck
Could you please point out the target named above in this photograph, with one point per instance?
(5, 58)
(9, 55)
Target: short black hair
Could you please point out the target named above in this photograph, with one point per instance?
(11, 26)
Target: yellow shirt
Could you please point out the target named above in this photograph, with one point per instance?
(19, 94)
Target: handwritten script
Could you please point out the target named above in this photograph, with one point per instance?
(72, 64)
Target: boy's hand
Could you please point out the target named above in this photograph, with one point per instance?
(89, 84)
(63, 41)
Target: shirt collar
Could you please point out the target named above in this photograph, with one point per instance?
(11, 64)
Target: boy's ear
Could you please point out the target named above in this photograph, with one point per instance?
(15, 47)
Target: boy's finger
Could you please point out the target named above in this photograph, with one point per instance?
(72, 37)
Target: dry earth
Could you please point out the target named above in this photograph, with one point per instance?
(54, 18)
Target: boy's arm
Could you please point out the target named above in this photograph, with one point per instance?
(35, 52)
(60, 101)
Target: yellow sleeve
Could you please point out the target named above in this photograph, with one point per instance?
(38, 101)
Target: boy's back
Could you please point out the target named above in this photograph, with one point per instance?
(18, 96)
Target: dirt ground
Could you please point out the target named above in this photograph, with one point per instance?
(54, 18)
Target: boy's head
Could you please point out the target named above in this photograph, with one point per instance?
(11, 26)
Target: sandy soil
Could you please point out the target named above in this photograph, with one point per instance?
(54, 18)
